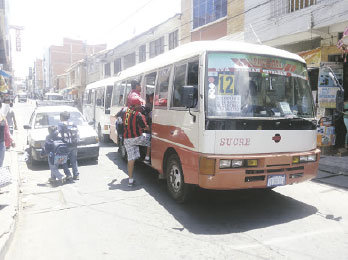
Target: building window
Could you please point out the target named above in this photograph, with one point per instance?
(142, 53)
(281, 7)
(129, 60)
(117, 66)
(173, 40)
(107, 71)
(207, 11)
(156, 47)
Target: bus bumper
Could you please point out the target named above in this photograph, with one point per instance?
(272, 170)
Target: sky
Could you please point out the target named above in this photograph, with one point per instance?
(47, 22)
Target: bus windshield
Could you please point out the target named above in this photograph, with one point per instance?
(250, 85)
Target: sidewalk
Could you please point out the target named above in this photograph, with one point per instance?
(333, 170)
(9, 202)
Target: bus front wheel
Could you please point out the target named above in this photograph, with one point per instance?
(177, 187)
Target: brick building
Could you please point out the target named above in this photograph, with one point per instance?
(59, 58)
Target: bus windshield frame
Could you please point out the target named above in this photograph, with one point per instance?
(254, 86)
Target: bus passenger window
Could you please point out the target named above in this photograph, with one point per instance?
(161, 95)
(179, 82)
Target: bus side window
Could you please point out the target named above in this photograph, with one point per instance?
(161, 93)
(192, 79)
(149, 82)
(89, 98)
(128, 87)
(108, 95)
(179, 82)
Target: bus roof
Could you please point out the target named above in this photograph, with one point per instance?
(193, 49)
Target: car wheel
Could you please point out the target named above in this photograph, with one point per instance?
(100, 135)
(123, 152)
(30, 162)
(176, 185)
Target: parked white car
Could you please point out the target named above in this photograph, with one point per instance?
(44, 116)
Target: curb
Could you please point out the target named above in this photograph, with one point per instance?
(333, 169)
(7, 236)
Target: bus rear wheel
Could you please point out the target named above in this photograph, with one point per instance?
(176, 185)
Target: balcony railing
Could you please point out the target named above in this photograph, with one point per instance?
(282, 7)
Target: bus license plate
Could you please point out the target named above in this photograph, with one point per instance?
(276, 180)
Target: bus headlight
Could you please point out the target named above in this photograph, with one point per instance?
(237, 163)
(225, 164)
(312, 158)
(304, 158)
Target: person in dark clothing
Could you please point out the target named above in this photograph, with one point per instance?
(49, 150)
(69, 135)
(134, 124)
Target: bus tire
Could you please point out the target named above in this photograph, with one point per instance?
(176, 185)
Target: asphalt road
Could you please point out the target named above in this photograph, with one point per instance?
(99, 217)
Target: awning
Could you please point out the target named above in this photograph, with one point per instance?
(4, 74)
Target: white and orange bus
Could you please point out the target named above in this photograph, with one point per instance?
(96, 106)
(226, 115)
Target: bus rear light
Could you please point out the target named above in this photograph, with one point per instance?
(206, 166)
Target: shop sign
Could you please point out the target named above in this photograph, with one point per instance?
(312, 57)
(326, 87)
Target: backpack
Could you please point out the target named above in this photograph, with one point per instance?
(61, 152)
(69, 134)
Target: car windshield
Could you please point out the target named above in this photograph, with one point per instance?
(43, 120)
(247, 85)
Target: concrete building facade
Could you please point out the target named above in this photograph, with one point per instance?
(211, 20)
(157, 40)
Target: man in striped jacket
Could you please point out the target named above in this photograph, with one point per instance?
(134, 124)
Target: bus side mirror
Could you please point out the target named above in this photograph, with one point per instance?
(189, 94)
(190, 98)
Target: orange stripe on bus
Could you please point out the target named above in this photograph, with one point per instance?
(171, 133)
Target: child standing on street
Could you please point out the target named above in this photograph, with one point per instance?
(49, 149)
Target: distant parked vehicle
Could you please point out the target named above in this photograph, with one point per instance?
(22, 97)
(53, 96)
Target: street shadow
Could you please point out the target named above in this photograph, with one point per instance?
(123, 185)
(43, 165)
(218, 212)
(117, 160)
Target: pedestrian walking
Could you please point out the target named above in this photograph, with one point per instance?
(134, 124)
(11, 119)
(69, 134)
(50, 149)
(5, 137)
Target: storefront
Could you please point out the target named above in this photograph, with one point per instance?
(331, 131)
